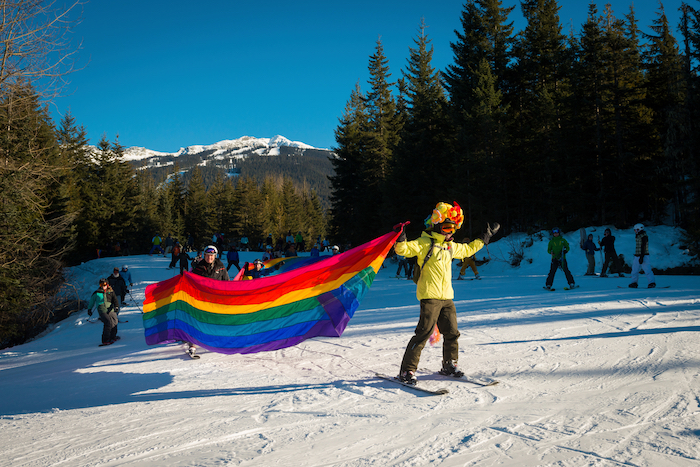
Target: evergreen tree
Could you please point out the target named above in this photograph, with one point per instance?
(422, 156)
(346, 183)
(478, 83)
(537, 153)
(248, 213)
(197, 219)
(380, 138)
(30, 261)
(665, 98)
(174, 205)
(690, 30)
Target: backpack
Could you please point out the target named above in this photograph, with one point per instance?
(417, 269)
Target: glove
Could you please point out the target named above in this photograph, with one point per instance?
(89, 312)
(126, 291)
(641, 259)
(490, 232)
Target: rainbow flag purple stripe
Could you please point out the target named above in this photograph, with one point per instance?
(270, 313)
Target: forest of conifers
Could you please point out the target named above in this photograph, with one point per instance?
(532, 129)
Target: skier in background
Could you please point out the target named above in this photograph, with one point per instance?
(558, 247)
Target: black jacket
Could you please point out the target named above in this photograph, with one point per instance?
(215, 270)
(608, 244)
(118, 284)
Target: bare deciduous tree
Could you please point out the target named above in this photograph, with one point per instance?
(36, 44)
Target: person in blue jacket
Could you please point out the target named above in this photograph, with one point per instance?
(590, 249)
(232, 258)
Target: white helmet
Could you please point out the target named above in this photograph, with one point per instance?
(638, 227)
(125, 267)
(211, 249)
(335, 248)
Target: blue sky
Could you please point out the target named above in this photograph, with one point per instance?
(168, 74)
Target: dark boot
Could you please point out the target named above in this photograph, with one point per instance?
(449, 368)
(408, 377)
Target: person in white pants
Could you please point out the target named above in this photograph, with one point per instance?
(641, 257)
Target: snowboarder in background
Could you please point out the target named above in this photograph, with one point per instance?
(641, 257)
(175, 255)
(558, 247)
(435, 251)
(106, 300)
(611, 258)
(169, 244)
(232, 257)
(468, 263)
(184, 261)
(403, 264)
(156, 241)
(590, 249)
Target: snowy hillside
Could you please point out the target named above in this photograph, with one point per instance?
(602, 375)
(228, 147)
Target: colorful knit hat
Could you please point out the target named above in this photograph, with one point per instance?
(443, 212)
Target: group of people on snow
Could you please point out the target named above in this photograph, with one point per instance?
(108, 298)
(435, 250)
(558, 247)
(432, 255)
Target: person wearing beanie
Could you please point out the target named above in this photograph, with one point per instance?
(435, 250)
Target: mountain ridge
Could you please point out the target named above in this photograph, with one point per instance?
(242, 145)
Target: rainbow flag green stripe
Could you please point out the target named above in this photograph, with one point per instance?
(269, 313)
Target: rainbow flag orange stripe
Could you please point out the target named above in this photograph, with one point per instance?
(270, 313)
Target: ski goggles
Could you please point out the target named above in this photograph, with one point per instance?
(448, 228)
(555, 230)
(210, 251)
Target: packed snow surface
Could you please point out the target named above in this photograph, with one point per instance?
(602, 375)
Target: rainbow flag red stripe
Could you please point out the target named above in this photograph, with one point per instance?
(269, 313)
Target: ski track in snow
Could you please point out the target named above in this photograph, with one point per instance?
(591, 377)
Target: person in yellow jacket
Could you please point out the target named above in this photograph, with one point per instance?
(435, 250)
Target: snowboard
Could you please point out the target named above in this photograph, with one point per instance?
(417, 387)
(483, 382)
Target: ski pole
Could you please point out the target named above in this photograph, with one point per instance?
(137, 303)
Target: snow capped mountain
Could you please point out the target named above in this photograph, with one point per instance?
(240, 146)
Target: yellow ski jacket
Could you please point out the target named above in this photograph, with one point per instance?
(436, 277)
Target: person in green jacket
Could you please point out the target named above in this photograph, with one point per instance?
(435, 250)
(558, 247)
(106, 301)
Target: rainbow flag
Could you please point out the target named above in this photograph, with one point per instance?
(269, 313)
